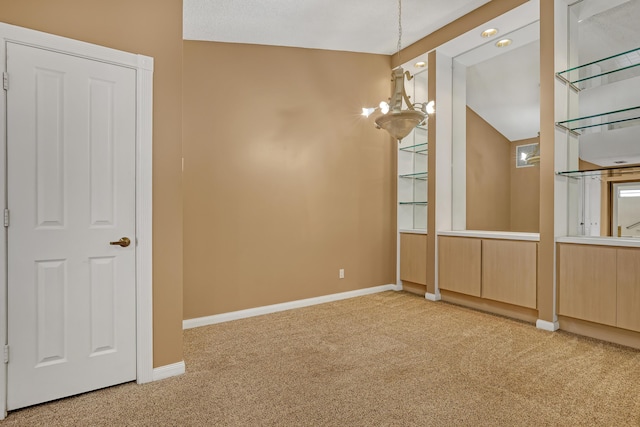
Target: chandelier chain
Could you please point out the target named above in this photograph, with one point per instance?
(399, 28)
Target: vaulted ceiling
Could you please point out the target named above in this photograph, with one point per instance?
(369, 26)
(506, 81)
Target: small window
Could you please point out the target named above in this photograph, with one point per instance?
(526, 155)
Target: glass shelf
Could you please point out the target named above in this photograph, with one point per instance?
(419, 148)
(608, 171)
(624, 65)
(413, 203)
(419, 175)
(612, 117)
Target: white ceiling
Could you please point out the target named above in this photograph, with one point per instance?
(505, 91)
(503, 84)
(369, 26)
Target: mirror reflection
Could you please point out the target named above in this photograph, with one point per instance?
(604, 111)
(496, 122)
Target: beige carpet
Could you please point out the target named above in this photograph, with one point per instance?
(390, 359)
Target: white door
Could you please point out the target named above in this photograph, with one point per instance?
(71, 133)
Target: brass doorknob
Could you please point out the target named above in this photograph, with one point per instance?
(124, 242)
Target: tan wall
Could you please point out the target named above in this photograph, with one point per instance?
(525, 192)
(488, 176)
(285, 183)
(152, 28)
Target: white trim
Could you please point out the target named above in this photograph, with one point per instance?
(144, 220)
(67, 46)
(3, 246)
(268, 309)
(443, 198)
(506, 235)
(600, 241)
(432, 297)
(398, 254)
(547, 326)
(168, 371)
(144, 143)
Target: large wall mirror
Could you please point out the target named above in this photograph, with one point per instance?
(495, 132)
(604, 114)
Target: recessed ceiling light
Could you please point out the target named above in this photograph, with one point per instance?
(503, 42)
(620, 162)
(420, 64)
(489, 32)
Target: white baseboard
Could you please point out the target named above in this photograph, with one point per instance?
(168, 371)
(547, 326)
(433, 297)
(258, 311)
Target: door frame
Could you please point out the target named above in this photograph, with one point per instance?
(143, 65)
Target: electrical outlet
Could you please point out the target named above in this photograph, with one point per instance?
(341, 273)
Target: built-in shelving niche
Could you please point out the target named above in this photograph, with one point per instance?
(602, 115)
(611, 108)
(413, 155)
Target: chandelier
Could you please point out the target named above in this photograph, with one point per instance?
(394, 119)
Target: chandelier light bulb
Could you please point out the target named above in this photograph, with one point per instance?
(431, 107)
(384, 107)
(367, 111)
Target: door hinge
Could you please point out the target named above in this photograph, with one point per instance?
(6, 217)
(6, 354)
(5, 80)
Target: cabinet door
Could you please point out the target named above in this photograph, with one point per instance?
(587, 283)
(459, 264)
(628, 291)
(413, 258)
(509, 272)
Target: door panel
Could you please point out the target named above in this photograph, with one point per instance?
(49, 148)
(101, 152)
(71, 191)
(51, 312)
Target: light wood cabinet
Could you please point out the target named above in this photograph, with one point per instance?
(413, 258)
(509, 272)
(587, 282)
(459, 264)
(496, 269)
(628, 289)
